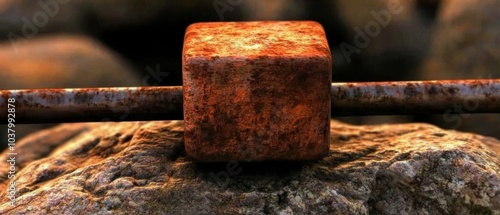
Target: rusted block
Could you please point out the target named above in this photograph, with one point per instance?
(256, 91)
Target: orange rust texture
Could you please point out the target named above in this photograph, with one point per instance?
(256, 91)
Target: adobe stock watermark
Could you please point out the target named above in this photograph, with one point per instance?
(154, 76)
(363, 37)
(233, 168)
(222, 6)
(459, 112)
(40, 19)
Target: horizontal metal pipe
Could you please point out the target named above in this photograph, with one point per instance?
(92, 104)
(416, 97)
(164, 103)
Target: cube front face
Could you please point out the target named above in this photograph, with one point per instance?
(256, 91)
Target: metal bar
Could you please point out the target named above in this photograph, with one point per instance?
(164, 103)
(93, 104)
(416, 97)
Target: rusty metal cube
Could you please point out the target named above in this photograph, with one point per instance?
(256, 91)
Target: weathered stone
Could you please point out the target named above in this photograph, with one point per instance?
(61, 61)
(40, 144)
(466, 42)
(141, 168)
(256, 91)
(466, 46)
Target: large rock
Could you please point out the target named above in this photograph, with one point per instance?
(466, 41)
(466, 46)
(141, 168)
(62, 61)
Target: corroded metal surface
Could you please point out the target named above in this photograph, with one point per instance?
(256, 91)
(157, 103)
(416, 97)
(93, 104)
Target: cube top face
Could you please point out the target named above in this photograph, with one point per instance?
(255, 39)
(256, 91)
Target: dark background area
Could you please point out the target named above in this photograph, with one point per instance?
(161, 40)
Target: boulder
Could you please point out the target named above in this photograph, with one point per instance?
(60, 61)
(465, 46)
(142, 168)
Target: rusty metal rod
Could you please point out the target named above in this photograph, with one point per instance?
(416, 97)
(164, 103)
(93, 104)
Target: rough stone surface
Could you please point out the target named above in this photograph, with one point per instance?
(141, 168)
(256, 91)
(466, 46)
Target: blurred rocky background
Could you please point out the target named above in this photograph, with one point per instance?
(89, 43)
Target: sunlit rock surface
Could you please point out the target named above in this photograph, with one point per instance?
(141, 168)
